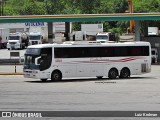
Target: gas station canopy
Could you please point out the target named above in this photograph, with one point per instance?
(80, 17)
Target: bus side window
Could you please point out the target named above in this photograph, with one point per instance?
(107, 52)
(136, 51)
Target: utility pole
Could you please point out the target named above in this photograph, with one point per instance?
(131, 28)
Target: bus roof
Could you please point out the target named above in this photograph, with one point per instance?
(74, 44)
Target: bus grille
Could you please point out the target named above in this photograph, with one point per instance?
(12, 43)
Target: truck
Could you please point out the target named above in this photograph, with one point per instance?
(105, 37)
(4, 33)
(154, 56)
(92, 29)
(79, 35)
(59, 37)
(18, 40)
(153, 31)
(38, 35)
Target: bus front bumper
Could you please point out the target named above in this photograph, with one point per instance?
(34, 74)
(30, 75)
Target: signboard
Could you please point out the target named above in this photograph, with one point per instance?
(34, 24)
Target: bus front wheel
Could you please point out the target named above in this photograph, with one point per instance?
(56, 76)
(113, 73)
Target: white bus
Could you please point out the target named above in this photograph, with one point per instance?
(113, 60)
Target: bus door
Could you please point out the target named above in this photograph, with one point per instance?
(46, 59)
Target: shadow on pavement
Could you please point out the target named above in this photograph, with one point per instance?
(106, 80)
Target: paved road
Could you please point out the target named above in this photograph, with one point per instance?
(138, 93)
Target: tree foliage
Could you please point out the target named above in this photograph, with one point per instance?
(143, 6)
(52, 7)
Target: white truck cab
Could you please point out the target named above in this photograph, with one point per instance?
(18, 40)
(105, 37)
(35, 38)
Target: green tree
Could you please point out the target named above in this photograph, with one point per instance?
(23, 7)
(29, 8)
(13, 7)
(120, 6)
(52, 7)
(55, 7)
(83, 6)
(141, 6)
(105, 6)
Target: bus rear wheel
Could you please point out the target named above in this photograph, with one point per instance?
(56, 76)
(113, 73)
(125, 73)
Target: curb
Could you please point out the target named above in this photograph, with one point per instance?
(11, 74)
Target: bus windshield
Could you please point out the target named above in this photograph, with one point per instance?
(30, 62)
(45, 55)
(30, 56)
(33, 51)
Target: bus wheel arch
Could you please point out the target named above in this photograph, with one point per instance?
(56, 75)
(113, 73)
(125, 72)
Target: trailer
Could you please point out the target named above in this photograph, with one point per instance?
(153, 31)
(92, 29)
(4, 33)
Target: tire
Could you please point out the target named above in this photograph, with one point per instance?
(125, 73)
(113, 73)
(56, 76)
(43, 80)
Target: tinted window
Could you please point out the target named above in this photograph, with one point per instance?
(46, 58)
(82, 52)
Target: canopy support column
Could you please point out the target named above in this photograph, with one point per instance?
(137, 31)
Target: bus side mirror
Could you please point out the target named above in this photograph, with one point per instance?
(37, 61)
